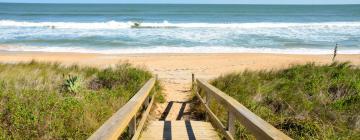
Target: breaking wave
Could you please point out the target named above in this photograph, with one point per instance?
(166, 24)
(166, 49)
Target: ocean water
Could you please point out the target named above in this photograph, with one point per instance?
(110, 28)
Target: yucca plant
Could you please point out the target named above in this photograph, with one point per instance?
(72, 84)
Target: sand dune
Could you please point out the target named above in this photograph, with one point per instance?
(174, 70)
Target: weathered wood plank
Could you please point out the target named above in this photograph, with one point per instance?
(117, 123)
(231, 123)
(257, 126)
(179, 130)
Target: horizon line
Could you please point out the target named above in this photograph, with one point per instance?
(191, 3)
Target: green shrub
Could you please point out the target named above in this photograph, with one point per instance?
(304, 101)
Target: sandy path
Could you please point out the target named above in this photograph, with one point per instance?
(174, 70)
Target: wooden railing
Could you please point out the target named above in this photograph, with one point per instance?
(126, 117)
(236, 112)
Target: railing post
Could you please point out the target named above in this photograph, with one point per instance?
(231, 123)
(192, 81)
(192, 77)
(149, 98)
(132, 126)
(147, 101)
(208, 99)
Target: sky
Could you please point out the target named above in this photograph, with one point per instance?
(194, 1)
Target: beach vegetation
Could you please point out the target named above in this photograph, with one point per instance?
(304, 101)
(72, 84)
(52, 101)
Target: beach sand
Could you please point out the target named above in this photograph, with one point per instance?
(174, 70)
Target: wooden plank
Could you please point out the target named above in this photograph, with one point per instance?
(207, 103)
(231, 123)
(179, 130)
(257, 126)
(117, 123)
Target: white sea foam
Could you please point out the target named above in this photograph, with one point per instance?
(165, 49)
(285, 38)
(166, 24)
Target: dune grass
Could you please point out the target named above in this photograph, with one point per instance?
(51, 101)
(304, 101)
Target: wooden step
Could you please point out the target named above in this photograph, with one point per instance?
(179, 130)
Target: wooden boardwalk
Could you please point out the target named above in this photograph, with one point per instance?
(133, 117)
(179, 130)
